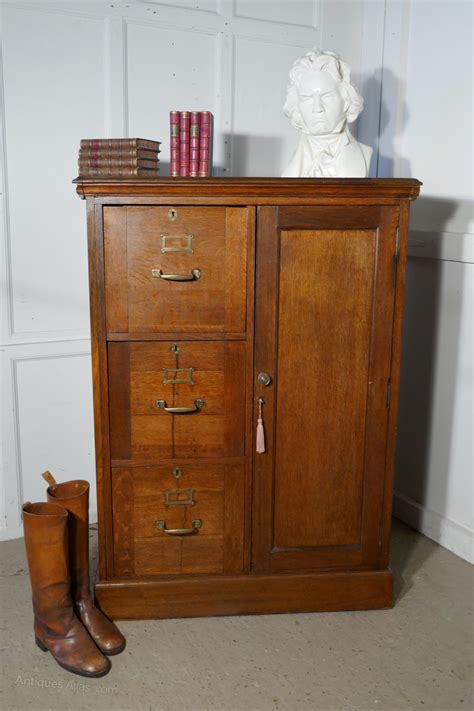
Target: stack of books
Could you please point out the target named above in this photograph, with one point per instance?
(118, 157)
(190, 143)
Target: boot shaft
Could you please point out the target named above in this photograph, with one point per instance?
(46, 540)
(74, 497)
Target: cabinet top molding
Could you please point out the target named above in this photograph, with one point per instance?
(307, 188)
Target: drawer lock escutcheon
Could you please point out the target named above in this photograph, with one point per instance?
(197, 523)
(194, 276)
(161, 405)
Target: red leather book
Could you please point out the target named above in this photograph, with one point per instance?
(174, 143)
(184, 145)
(195, 126)
(205, 145)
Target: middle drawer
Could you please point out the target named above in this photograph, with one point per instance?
(170, 399)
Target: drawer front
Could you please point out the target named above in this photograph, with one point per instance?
(150, 250)
(148, 502)
(147, 380)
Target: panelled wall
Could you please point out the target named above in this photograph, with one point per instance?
(75, 69)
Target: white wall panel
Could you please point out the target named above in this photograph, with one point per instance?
(168, 70)
(437, 140)
(296, 12)
(263, 139)
(435, 453)
(54, 95)
(203, 5)
(55, 424)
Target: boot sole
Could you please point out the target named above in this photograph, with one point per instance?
(115, 651)
(93, 675)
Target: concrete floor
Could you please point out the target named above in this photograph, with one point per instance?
(416, 656)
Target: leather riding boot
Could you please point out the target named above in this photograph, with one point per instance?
(74, 496)
(57, 628)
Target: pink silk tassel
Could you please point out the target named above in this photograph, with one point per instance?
(260, 430)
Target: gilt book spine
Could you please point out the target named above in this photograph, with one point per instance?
(174, 143)
(184, 145)
(205, 144)
(195, 128)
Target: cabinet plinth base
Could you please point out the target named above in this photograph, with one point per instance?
(245, 594)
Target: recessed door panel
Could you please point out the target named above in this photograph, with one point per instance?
(325, 278)
(325, 304)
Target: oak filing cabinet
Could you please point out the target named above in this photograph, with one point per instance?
(210, 298)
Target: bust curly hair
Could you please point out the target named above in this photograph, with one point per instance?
(316, 61)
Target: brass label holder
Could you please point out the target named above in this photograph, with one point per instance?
(168, 244)
(179, 497)
(185, 380)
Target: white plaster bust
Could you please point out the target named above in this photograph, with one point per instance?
(321, 102)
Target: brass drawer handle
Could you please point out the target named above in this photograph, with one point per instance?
(161, 525)
(194, 276)
(161, 405)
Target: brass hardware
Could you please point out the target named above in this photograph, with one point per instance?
(167, 246)
(264, 379)
(197, 523)
(175, 348)
(172, 214)
(173, 497)
(177, 381)
(161, 405)
(177, 473)
(194, 276)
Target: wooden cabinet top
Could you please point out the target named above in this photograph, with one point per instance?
(252, 190)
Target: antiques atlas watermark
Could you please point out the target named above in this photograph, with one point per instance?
(74, 686)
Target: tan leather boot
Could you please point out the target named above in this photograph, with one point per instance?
(57, 628)
(74, 496)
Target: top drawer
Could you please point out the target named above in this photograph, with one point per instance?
(175, 269)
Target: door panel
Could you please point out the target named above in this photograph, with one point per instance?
(330, 290)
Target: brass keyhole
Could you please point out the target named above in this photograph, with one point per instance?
(173, 214)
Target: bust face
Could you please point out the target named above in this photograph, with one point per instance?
(321, 104)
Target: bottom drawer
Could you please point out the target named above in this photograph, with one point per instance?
(152, 506)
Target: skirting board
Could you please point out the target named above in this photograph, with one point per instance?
(451, 535)
(202, 596)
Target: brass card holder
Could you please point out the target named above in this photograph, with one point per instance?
(185, 380)
(168, 244)
(179, 497)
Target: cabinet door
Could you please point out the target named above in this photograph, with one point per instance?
(324, 319)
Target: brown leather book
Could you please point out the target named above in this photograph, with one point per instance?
(117, 172)
(103, 162)
(120, 152)
(104, 143)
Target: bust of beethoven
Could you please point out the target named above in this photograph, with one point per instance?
(321, 102)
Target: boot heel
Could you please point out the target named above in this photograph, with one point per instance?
(40, 644)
